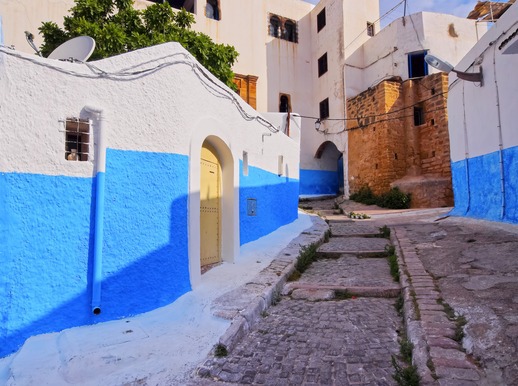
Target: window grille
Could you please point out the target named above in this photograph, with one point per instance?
(77, 139)
(282, 28)
(370, 29)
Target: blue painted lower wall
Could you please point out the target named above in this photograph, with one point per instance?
(277, 202)
(477, 186)
(46, 244)
(318, 182)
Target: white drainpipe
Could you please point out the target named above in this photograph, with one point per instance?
(99, 209)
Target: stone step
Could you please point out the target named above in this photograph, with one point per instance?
(360, 246)
(353, 229)
(371, 292)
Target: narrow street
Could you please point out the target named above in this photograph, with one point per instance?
(342, 320)
(336, 324)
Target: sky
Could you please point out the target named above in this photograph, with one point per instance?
(455, 7)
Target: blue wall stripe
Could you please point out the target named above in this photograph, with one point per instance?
(318, 182)
(477, 186)
(49, 222)
(277, 202)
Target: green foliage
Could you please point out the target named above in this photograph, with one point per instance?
(364, 195)
(385, 232)
(220, 351)
(308, 254)
(393, 199)
(117, 28)
(405, 376)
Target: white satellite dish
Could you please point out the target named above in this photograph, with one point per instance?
(79, 48)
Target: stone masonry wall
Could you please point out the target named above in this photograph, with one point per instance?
(387, 148)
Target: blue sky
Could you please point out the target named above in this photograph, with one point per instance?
(455, 7)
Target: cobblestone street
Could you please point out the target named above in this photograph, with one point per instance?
(323, 330)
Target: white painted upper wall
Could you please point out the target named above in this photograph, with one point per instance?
(174, 108)
(386, 54)
(474, 115)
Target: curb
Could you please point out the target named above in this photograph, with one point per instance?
(414, 331)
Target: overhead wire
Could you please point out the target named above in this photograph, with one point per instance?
(201, 73)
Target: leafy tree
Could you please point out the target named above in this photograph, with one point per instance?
(117, 27)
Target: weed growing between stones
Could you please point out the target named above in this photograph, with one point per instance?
(220, 351)
(276, 298)
(406, 374)
(327, 235)
(431, 366)
(342, 295)
(307, 255)
(398, 305)
(392, 260)
(385, 232)
(413, 295)
(294, 276)
(460, 320)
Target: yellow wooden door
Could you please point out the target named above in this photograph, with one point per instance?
(210, 207)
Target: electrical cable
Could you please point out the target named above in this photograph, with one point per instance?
(201, 73)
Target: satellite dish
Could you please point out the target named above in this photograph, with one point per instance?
(79, 48)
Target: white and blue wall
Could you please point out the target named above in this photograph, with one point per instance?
(482, 126)
(151, 110)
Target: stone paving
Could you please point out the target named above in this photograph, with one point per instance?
(364, 246)
(315, 335)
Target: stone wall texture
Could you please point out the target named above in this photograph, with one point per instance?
(387, 147)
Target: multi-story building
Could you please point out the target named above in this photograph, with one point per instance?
(306, 59)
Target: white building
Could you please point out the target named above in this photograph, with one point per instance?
(483, 135)
(116, 188)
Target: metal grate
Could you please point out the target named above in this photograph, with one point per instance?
(77, 139)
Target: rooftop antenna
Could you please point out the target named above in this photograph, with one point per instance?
(79, 49)
(30, 39)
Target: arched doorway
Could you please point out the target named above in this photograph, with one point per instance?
(210, 206)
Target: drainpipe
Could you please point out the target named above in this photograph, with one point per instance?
(500, 139)
(99, 209)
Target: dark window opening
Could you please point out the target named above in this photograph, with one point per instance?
(290, 31)
(432, 122)
(283, 28)
(284, 103)
(324, 109)
(178, 4)
(275, 26)
(322, 65)
(321, 20)
(418, 116)
(212, 10)
(417, 67)
(77, 139)
(370, 29)
(395, 156)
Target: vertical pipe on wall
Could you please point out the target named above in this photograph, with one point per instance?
(500, 137)
(99, 209)
(466, 150)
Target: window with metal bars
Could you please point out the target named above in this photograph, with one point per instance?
(77, 139)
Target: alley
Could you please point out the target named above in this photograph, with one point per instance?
(336, 324)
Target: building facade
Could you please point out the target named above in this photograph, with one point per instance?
(482, 126)
(397, 108)
(107, 210)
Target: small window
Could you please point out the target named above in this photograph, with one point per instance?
(290, 31)
(77, 139)
(321, 20)
(284, 103)
(418, 116)
(212, 10)
(370, 29)
(275, 26)
(324, 109)
(417, 67)
(322, 65)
